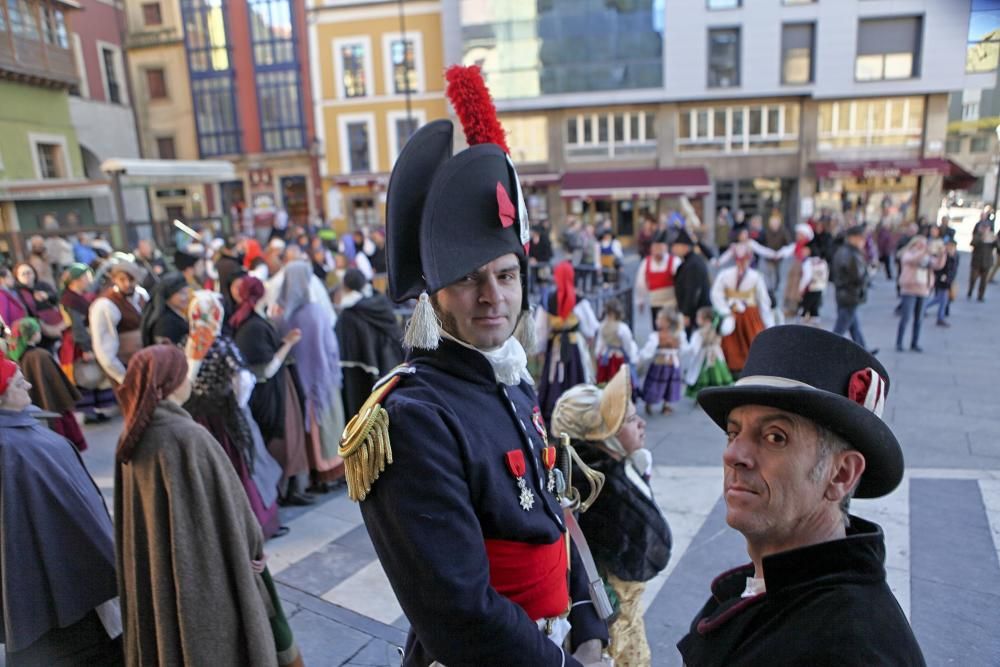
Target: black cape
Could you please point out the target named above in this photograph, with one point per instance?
(826, 605)
(57, 551)
(258, 342)
(370, 343)
(692, 285)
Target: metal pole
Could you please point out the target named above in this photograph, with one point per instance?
(116, 188)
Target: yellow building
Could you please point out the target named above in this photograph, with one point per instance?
(158, 71)
(376, 78)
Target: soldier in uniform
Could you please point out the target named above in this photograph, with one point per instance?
(449, 455)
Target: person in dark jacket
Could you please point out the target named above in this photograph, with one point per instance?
(627, 533)
(850, 275)
(371, 342)
(944, 278)
(164, 319)
(692, 285)
(984, 245)
(805, 434)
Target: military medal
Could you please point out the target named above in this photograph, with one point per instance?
(549, 459)
(539, 423)
(516, 465)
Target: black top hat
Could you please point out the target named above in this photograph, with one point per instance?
(682, 237)
(449, 215)
(827, 379)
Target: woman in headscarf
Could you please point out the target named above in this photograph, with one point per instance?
(317, 360)
(41, 303)
(57, 551)
(191, 576)
(51, 390)
(164, 319)
(564, 326)
(626, 530)
(220, 388)
(275, 402)
(76, 354)
(11, 307)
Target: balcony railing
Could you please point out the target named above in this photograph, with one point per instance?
(35, 61)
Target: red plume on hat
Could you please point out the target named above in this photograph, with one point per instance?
(474, 106)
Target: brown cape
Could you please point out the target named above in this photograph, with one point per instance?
(184, 537)
(50, 388)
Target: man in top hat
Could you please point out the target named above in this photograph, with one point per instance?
(116, 316)
(191, 263)
(449, 455)
(691, 281)
(805, 434)
(654, 280)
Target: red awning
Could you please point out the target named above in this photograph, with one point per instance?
(689, 181)
(883, 168)
(538, 180)
(958, 178)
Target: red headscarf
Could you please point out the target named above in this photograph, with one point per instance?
(8, 369)
(153, 374)
(250, 291)
(252, 253)
(565, 289)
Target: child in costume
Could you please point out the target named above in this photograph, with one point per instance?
(664, 378)
(815, 276)
(704, 360)
(615, 343)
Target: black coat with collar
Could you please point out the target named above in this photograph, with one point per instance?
(448, 488)
(826, 605)
(692, 285)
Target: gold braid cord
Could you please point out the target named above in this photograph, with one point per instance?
(365, 444)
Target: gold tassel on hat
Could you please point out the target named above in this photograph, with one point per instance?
(365, 445)
(423, 331)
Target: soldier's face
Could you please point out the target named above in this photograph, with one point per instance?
(482, 308)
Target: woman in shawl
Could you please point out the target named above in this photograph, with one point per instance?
(220, 388)
(41, 303)
(76, 354)
(51, 390)
(11, 307)
(164, 319)
(317, 360)
(275, 402)
(193, 591)
(57, 550)
(564, 326)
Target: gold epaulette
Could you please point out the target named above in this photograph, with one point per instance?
(365, 445)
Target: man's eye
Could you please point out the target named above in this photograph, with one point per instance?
(507, 277)
(776, 438)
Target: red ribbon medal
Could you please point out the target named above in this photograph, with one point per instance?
(517, 467)
(549, 459)
(539, 423)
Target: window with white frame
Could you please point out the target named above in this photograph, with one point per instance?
(401, 127)
(112, 72)
(888, 48)
(739, 129)
(614, 134)
(50, 156)
(353, 65)
(867, 123)
(970, 103)
(403, 58)
(357, 143)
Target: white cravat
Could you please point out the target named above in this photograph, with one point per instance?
(509, 361)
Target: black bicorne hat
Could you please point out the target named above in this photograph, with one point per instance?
(827, 379)
(682, 237)
(449, 215)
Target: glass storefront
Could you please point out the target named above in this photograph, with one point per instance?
(548, 47)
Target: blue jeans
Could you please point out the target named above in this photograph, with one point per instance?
(941, 298)
(912, 306)
(847, 319)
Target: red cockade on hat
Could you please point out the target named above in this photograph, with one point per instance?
(867, 389)
(506, 206)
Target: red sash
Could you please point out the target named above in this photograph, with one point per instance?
(532, 575)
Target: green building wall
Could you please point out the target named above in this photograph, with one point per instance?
(28, 109)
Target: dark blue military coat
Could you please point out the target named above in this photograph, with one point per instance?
(449, 488)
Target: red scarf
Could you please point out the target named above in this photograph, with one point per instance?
(250, 292)
(565, 289)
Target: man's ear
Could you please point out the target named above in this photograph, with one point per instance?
(847, 468)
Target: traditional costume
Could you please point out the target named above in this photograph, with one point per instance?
(160, 322)
(740, 292)
(615, 348)
(317, 362)
(86, 374)
(370, 340)
(626, 530)
(563, 327)
(826, 603)
(792, 301)
(449, 455)
(812, 284)
(186, 536)
(115, 320)
(275, 403)
(57, 560)
(704, 361)
(664, 379)
(654, 281)
(51, 390)
(221, 385)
